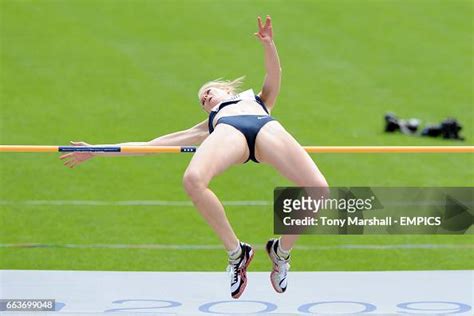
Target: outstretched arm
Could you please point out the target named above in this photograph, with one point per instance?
(192, 136)
(271, 85)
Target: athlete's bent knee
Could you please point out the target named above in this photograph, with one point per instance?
(193, 182)
(316, 181)
(313, 180)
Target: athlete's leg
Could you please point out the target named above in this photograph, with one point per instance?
(223, 148)
(275, 146)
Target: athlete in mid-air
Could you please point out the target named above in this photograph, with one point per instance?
(239, 128)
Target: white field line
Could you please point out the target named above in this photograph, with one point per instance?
(124, 203)
(187, 247)
(219, 247)
(188, 203)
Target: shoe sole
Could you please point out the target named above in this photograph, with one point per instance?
(268, 249)
(244, 277)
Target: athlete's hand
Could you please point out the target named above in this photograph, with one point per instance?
(73, 159)
(265, 34)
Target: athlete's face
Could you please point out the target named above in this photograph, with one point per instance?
(211, 97)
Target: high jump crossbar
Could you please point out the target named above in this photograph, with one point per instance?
(192, 149)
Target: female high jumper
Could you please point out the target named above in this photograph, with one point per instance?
(239, 128)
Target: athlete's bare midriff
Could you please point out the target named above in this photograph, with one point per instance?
(244, 107)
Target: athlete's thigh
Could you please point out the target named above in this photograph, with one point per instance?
(275, 146)
(225, 147)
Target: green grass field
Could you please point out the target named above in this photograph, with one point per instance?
(115, 71)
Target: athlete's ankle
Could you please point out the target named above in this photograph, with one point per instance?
(282, 253)
(235, 253)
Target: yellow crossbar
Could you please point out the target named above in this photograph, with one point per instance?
(179, 149)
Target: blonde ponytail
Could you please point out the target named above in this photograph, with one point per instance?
(231, 86)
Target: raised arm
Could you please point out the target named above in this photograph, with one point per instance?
(271, 85)
(192, 136)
